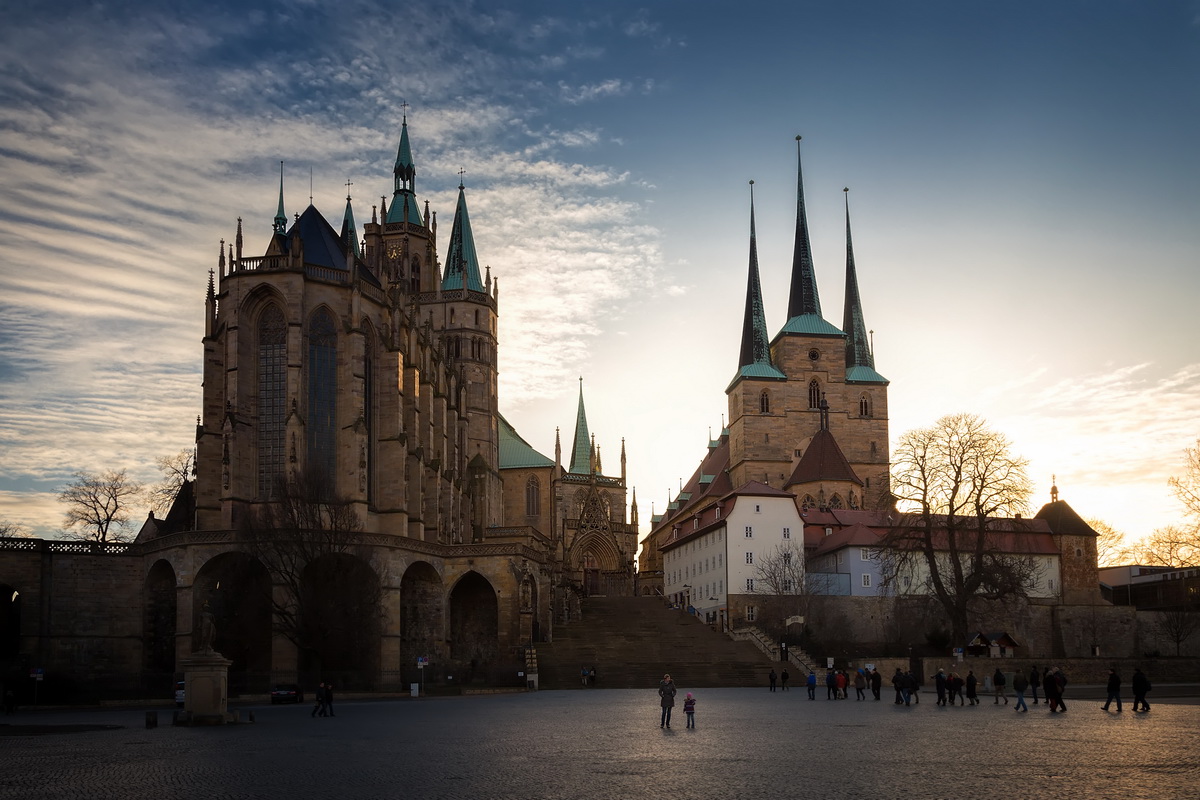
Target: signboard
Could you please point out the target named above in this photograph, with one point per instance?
(829, 663)
(422, 662)
(37, 673)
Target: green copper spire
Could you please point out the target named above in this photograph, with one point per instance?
(860, 362)
(349, 231)
(280, 216)
(803, 298)
(404, 206)
(581, 448)
(755, 358)
(462, 265)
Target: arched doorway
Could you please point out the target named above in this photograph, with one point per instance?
(474, 625)
(422, 615)
(591, 574)
(237, 589)
(158, 624)
(340, 615)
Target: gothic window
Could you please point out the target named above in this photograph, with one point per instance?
(814, 394)
(414, 280)
(807, 503)
(764, 402)
(836, 502)
(594, 514)
(864, 406)
(322, 396)
(272, 391)
(533, 496)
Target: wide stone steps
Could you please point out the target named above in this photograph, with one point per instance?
(633, 641)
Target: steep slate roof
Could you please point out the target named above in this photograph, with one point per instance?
(860, 363)
(515, 451)
(715, 515)
(1007, 535)
(322, 244)
(1063, 519)
(709, 481)
(823, 461)
(755, 357)
(462, 265)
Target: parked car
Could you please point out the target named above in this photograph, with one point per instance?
(287, 693)
(179, 693)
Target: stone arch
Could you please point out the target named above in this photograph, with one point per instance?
(159, 606)
(422, 613)
(340, 621)
(10, 622)
(474, 623)
(237, 588)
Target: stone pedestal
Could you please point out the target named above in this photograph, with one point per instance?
(206, 689)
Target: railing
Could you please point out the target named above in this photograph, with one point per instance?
(760, 640)
(66, 546)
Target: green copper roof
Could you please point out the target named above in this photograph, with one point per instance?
(462, 265)
(810, 324)
(581, 448)
(404, 206)
(756, 350)
(515, 451)
(349, 231)
(864, 375)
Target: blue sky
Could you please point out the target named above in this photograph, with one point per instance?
(1022, 184)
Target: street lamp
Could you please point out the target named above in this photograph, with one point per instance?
(687, 596)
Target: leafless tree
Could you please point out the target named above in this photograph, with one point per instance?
(1177, 625)
(779, 575)
(953, 482)
(14, 530)
(1187, 485)
(177, 470)
(1172, 546)
(98, 505)
(1111, 548)
(324, 600)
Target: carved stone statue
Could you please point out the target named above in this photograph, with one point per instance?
(206, 632)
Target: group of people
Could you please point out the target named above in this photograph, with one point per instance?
(838, 682)
(588, 676)
(666, 695)
(324, 706)
(1140, 685)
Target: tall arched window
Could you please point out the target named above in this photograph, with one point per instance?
(764, 402)
(272, 392)
(836, 502)
(322, 396)
(533, 496)
(814, 394)
(864, 406)
(415, 276)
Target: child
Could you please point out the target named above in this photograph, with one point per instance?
(689, 708)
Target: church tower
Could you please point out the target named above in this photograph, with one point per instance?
(812, 378)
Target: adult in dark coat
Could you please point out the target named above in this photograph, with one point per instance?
(319, 708)
(876, 683)
(898, 684)
(1035, 680)
(666, 694)
(1114, 690)
(972, 683)
(328, 699)
(1140, 685)
(939, 682)
(1060, 685)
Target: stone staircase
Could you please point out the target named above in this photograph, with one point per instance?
(632, 641)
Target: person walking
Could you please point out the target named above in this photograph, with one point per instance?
(689, 708)
(843, 680)
(328, 699)
(783, 679)
(811, 683)
(1049, 690)
(939, 685)
(898, 683)
(998, 683)
(1114, 690)
(830, 685)
(914, 687)
(972, 683)
(1035, 680)
(1060, 685)
(876, 682)
(772, 678)
(1020, 684)
(860, 686)
(319, 708)
(958, 683)
(666, 694)
(583, 676)
(1140, 685)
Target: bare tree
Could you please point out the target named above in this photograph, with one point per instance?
(177, 470)
(1177, 625)
(780, 575)
(1172, 546)
(953, 482)
(13, 530)
(98, 505)
(325, 599)
(1187, 485)
(1111, 548)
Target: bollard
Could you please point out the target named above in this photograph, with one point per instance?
(151, 719)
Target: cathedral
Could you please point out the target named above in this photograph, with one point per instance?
(807, 410)
(359, 502)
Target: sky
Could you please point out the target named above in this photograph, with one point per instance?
(1022, 185)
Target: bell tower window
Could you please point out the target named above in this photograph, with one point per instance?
(764, 402)
(814, 394)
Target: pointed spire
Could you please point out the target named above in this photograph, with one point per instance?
(755, 345)
(462, 265)
(858, 349)
(349, 231)
(221, 257)
(238, 240)
(803, 298)
(581, 453)
(280, 216)
(405, 182)
(557, 447)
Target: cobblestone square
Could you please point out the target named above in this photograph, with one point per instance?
(608, 744)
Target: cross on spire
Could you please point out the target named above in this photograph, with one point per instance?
(461, 172)
(349, 183)
(404, 109)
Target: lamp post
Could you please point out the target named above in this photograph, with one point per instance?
(687, 597)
